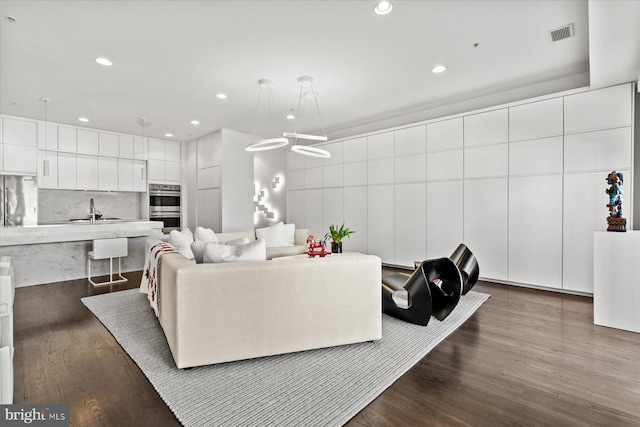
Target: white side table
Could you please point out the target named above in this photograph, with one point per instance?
(109, 248)
(616, 279)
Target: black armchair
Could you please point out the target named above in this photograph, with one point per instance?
(407, 297)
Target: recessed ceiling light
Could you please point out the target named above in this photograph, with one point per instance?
(439, 69)
(168, 135)
(383, 7)
(290, 117)
(195, 122)
(83, 119)
(221, 96)
(104, 61)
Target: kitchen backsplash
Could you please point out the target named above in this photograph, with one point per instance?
(59, 206)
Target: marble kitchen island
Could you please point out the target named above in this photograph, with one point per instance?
(57, 252)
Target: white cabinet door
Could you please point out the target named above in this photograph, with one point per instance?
(88, 141)
(67, 139)
(535, 230)
(605, 149)
(209, 209)
(313, 211)
(355, 150)
(140, 147)
(332, 208)
(445, 165)
(125, 146)
(295, 179)
(20, 132)
(47, 169)
(67, 166)
(410, 223)
(209, 177)
(380, 231)
(381, 171)
(156, 171)
(598, 109)
(19, 159)
(355, 217)
(295, 208)
(108, 144)
(156, 149)
(336, 152)
(380, 145)
(485, 224)
(584, 212)
(538, 156)
(332, 176)
(536, 120)
(172, 151)
(212, 149)
(172, 171)
(485, 162)
(125, 174)
(313, 177)
(355, 173)
(491, 127)
(87, 172)
(294, 161)
(47, 136)
(445, 135)
(108, 173)
(411, 168)
(410, 141)
(444, 218)
(139, 175)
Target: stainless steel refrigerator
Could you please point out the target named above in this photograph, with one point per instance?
(19, 196)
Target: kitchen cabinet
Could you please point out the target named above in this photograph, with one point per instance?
(161, 171)
(172, 171)
(19, 159)
(209, 209)
(156, 149)
(139, 175)
(125, 146)
(172, 151)
(67, 139)
(20, 132)
(86, 172)
(125, 174)
(140, 150)
(47, 169)
(67, 165)
(108, 173)
(108, 144)
(88, 142)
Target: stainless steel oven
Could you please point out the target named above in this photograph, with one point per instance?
(164, 205)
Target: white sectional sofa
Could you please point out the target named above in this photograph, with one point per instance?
(214, 313)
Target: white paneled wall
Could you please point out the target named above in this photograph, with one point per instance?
(522, 185)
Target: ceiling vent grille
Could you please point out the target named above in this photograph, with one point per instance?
(561, 33)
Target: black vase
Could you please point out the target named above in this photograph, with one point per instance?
(336, 248)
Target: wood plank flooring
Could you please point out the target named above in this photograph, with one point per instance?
(527, 357)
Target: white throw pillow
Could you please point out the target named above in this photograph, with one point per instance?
(277, 235)
(181, 241)
(205, 234)
(253, 251)
(237, 242)
(198, 246)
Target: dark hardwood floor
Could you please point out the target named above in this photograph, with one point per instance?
(527, 357)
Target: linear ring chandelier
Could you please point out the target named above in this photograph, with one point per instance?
(270, 143)
(305, 97)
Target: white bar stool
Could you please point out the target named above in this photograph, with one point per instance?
(109, 248)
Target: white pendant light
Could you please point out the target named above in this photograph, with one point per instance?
(308, 96)
(270, 143)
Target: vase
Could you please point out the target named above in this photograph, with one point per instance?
(336, 248)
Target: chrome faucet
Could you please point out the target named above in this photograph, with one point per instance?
(92, 211)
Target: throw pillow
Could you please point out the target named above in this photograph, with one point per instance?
(253, 251)
(276, 235)
(205, 234)
(198, 246)
(181, 241)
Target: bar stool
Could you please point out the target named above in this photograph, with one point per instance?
(109, 248)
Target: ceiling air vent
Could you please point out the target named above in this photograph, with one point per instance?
(561, 33)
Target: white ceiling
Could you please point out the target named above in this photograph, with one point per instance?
(171, 57)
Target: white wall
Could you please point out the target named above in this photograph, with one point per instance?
(236, 182)
(267, 166)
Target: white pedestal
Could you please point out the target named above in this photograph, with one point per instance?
(616, 279)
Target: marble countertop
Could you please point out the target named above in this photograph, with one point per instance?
(54, 233)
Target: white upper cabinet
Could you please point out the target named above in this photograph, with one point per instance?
(411, 140)
(108, 173)
(209, 150)
(20, 132)
(380, 145)
(445, 135)
(19, 159)
(484, 162)
(139, 175)
(139, 148)
(445, 165)
(605, 149)
(486, 128)
(536, 120)
(125, 146)
(538, 156)
(47, 136)
(67, 139)
(172, 171)
(598, 109)
(355, 150)
(108, 144)
(47, 169)
(125, 173)
(156, 149)
(172, 151)
(67, 165)
(87, 172)
(88, 141)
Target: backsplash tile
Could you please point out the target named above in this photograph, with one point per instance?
(59, 206)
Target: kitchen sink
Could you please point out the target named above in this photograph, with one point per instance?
(98, 221)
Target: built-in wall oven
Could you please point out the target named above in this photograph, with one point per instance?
(164, 205)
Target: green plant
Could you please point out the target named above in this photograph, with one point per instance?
(337, 234)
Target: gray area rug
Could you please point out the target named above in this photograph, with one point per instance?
(324, 387)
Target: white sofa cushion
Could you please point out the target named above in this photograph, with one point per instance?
(205, 234)
(181, 241)
(253, 251)
(197, 247)
(277, 235)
